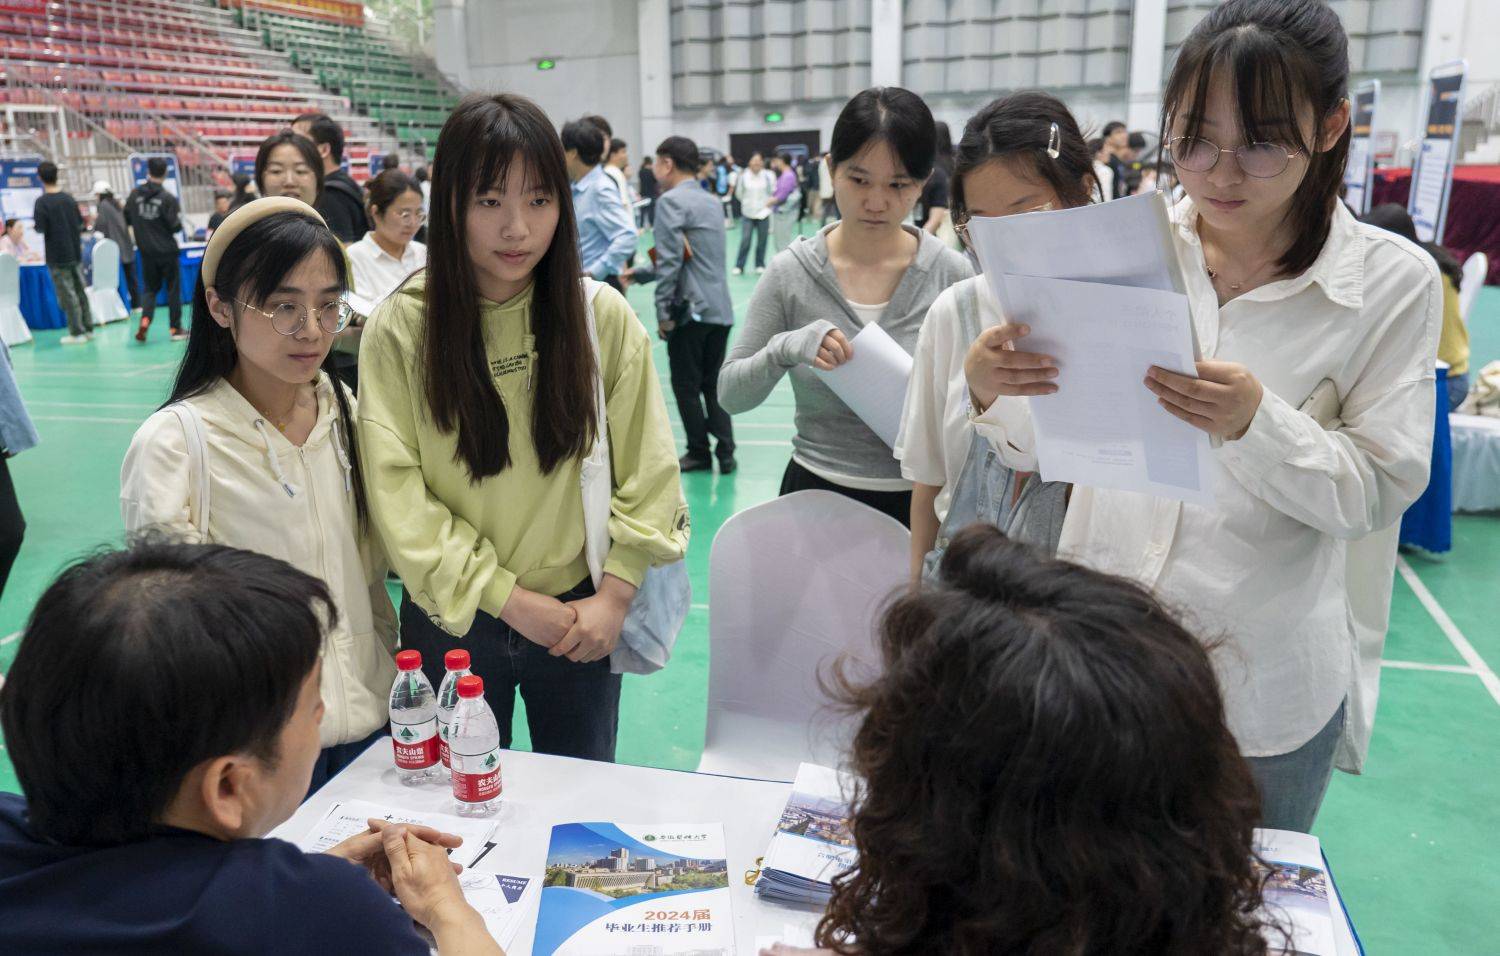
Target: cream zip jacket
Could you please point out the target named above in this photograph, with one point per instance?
(296, 504)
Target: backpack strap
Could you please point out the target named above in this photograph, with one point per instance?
(197, 449)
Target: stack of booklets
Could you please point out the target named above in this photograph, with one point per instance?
(812, 843)
(650, 889)
(1299, 896)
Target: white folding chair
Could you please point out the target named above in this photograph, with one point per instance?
(104, 294)
(793, 584)
(13, 327)
(1476, 268)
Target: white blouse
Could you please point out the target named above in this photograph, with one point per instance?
(377, 273)
(935, 432)
(1264, 569)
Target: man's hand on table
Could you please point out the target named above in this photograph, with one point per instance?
(368, 849)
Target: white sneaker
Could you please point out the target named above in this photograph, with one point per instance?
(737, 271)
(74, 339)
(759, 270)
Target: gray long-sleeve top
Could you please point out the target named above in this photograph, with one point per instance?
(796, 303)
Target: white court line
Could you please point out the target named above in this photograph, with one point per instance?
(695, 607)
(1446, 625)
(86, 419)
(142, 406)
(10, 638)
(1419, 666)
(146, 370)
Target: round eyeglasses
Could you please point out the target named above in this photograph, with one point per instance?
(1257, 160)
(289, 318)
(961, 221)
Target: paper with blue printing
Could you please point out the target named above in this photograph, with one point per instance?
(613, 889)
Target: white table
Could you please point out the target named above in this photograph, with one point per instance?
(541, 791)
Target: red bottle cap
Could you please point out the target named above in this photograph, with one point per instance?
(409, 660)
(471, 686)
(456, 660)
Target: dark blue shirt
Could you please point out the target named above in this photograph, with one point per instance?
(184, 892)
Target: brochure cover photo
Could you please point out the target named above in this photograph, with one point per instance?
(637, 889)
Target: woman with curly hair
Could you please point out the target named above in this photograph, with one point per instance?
(1044, 768)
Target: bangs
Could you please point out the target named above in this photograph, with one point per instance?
(508, 143)
(1269, 86)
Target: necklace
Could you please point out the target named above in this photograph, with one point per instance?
(283, 421)
(1237, 286)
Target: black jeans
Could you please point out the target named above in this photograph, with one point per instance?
(12, 523)
(572, 710)
(132, 280)
(760, 229)
(157, 270)
(897, 504)
(695, 353)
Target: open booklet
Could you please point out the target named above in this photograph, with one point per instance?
(650, 889)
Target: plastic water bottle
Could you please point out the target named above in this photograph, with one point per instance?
(474, 751)
(457, 664)
(414, 721)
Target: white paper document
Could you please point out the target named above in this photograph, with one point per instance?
(503, 901)
(1298, 896)
(873, 383)
(349, 818)
(1103, 428)
(1124, 242)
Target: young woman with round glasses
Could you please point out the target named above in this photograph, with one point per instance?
(256, 447)
(1291, 297)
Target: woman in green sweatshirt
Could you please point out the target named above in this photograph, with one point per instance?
(477, 409)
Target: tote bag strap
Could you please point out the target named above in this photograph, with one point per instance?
(197, 449)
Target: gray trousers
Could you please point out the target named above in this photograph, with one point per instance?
(73, 297)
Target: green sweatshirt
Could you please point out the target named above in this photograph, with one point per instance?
(460, 545)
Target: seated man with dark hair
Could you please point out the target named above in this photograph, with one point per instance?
(162, 714)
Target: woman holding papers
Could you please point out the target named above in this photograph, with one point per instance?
(477, 416)
(1289, 293)
(1021, 153)
(256, 447)
(867, 269)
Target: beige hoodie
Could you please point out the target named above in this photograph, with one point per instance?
(314, 528)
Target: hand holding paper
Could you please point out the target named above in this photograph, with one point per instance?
(871, 381)
(995, 365)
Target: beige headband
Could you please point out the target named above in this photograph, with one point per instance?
(241, 219)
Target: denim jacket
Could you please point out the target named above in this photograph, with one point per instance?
(17, 433)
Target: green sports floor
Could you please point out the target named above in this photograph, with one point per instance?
(1415, 841)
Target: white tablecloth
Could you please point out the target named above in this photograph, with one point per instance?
(1476, 462)
(541, 791)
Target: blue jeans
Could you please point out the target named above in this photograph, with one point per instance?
(1292, 785)
(1458, 390)
(572, 710)
(334, 759)
(760, 229)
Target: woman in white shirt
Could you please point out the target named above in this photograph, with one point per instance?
(389, 252)
(1004, 166)
(1288, 292)
(753, 188)
(277, 470)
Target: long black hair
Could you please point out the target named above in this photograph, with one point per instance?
(898, 117)
(486, 141)
(252, 268)
(1282, 56)
(1018, 128)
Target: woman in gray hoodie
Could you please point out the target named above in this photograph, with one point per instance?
(868, 268)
